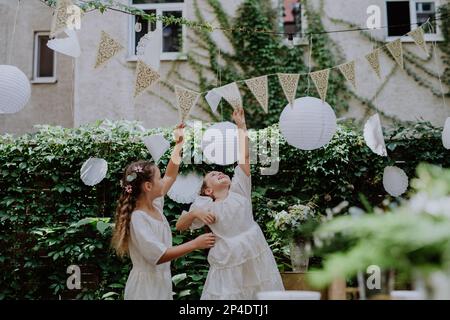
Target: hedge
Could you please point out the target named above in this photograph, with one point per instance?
(49, 219)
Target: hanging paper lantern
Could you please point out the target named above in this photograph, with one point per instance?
(446, 134)
(157, 145)
(220, 143)
(373, 135)
(186, 188)
(93, 171)
(15, 89)
(395, 181)
(69, 46)
(309, 124)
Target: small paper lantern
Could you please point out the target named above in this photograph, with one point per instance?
(157, 145)
(220, 143)
(446, 134)
(93, 171)
(15, 89)
(69, 46)
(373, 135)
(186, 188)
(309, 124)
(395, 181)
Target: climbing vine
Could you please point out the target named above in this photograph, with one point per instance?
(255, 54)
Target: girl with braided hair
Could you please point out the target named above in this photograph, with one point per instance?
(142, 231)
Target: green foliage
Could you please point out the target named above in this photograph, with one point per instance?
(412, 237)
(44, 205)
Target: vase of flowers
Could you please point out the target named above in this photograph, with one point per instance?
(294, 225)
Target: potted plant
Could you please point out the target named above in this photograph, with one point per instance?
(295, 225)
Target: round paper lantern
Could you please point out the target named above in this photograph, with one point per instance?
(220, 143)
(15, 89)
(446, 134)
(93, 171)
(186, 188)
(395, 181)
(309, 124)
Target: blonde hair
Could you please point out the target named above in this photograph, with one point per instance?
(140, 171)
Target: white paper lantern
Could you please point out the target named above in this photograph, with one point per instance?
(373, 135)
(68, 46)
(186, 188)
(309, 124)
(395, 181)
(446, 134)
(93, 171)
(157, 145)
(15, 89)
(220, 144)
(149, 49)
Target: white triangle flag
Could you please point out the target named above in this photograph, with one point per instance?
(231, 94)
(213, 100)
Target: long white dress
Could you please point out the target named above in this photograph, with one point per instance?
(241, 262)
(150, 238)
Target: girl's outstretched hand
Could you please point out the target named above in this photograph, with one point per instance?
(179, 133)
(205, 241)
(206, 217)
(239, 117)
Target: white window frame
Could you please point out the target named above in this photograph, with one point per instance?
(160, 8)
(37, 79)
(413, 18)
(303, 40)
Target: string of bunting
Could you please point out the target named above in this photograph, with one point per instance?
(146, 76)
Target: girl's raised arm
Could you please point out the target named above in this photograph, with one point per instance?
(175, 160)
(244, 153)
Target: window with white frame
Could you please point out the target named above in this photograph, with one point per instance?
(404, 15)
(44, 66)
(172, 35)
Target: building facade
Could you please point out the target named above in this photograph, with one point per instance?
(70, 92)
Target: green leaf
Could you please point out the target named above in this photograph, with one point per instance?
(102, 226)
(176, 279)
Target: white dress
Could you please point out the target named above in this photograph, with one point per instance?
(241, 262)
(149, 240)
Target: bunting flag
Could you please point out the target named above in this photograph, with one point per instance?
(374, 60)
(418, 36)
(107, 49)
(259, 87)
(145, 77)
(348, 70)
(213, 100)
(60, 17)
(186, 99)
(396, 50)
(231, 94)
(320, 79)
(289, 83)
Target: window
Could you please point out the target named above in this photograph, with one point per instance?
(172, 35)
(44, 59)
(404, 15)
(294, 20)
